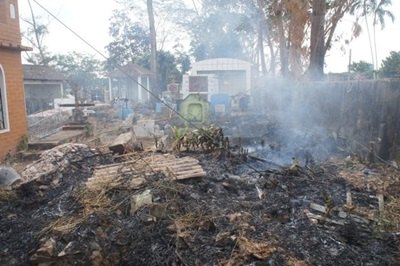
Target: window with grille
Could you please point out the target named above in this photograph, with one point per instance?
(13, 12)
(3, 102)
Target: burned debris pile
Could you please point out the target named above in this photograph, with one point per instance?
(56, 160)
(210, 205)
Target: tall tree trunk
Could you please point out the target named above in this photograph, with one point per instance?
(375, 45)
(283, 49)
(369, 41)
(376, 72)
(261, 48)
(272, 63)
(153, 46)
(317, 46)
(39, 46)
(261, 26)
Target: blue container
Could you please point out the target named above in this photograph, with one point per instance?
(220, 104)
(159, 107)
(125, 112)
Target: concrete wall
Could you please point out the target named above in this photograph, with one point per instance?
(362, 111)
(230, 67)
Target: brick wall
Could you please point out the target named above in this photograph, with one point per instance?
(10, 60)
(9, 28)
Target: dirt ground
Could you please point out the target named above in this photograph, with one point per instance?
(245, 211)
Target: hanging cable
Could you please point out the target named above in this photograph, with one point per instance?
(126, 73)
(116, 66)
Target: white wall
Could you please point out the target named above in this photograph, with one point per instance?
(224, 64)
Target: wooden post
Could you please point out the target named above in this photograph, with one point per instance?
(139, 86)
(349, 200)
(110, 89)
(381, 203)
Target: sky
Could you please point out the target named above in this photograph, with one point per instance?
(90, 19)
(87, 17)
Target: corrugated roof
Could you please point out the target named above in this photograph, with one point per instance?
(35, 72)
(130, 69)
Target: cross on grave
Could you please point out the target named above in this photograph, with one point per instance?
(78, 117)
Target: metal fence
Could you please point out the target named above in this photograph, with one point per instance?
(46, 123)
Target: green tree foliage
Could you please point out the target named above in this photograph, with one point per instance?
(131, 44)
(391, 65)
(35, 34)
(183, 62)
(82, 71)
(167, 64)
(130, 40)
(297, 33)
(362, 68)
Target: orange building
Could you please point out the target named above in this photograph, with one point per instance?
(13, 125)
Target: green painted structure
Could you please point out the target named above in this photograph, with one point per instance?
(195, 109)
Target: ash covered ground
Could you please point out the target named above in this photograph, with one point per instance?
(249, 209)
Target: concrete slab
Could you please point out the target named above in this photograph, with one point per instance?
(56, 139)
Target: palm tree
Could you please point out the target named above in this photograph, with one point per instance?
(379, 17)
(376, 8)
(362, 8)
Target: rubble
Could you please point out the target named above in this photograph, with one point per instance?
(57, 159)
(137, 201)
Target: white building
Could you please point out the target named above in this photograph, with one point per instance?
(130, 82)
(219, 75)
